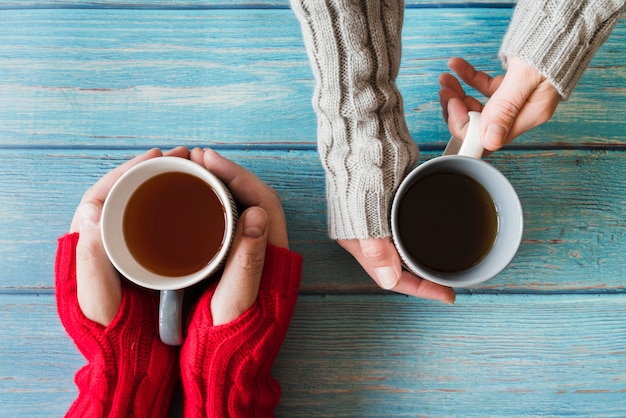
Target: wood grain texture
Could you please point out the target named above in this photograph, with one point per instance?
(486, 356)
(94, 78)
(372, 356)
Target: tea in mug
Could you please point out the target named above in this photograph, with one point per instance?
(174, 224)
(448, 222)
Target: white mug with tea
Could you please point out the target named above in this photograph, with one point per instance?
(167, 224)
(456, 220)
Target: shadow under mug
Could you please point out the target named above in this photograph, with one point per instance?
(464, 159)
(171, 287)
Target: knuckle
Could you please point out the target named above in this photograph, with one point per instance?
(86, 252)
(508, 108)
(376, 254)
(250, 263)
(274, 196)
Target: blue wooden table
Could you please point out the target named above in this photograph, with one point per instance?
(86, 85)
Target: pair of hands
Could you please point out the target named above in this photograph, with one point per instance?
(263, 222)
(517, 102)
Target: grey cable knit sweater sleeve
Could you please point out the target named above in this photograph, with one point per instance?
(559, 37)
(363, 140)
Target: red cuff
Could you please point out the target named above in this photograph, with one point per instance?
(130, 372)
(226, 368)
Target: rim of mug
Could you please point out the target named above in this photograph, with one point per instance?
(112, 234)
(475, 274)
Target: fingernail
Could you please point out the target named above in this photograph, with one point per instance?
(495, 137)
(255, 223)
(451, 299)
(387, 277)
(89, 216)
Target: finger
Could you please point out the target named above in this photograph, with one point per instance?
(99, 191)
(445, 95)
(180, 151)
(455, 104)
(458, 118)
(378, 257)
(249, 190)
(197, 156)
(239, 286)
(383, 259)
(450, 82)
(479, 80)
(412, 285)
(246, 187)
(98, 284)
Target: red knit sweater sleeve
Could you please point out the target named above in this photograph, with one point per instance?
(129, 371)
(226, 368)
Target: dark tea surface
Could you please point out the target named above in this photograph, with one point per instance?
(448, 222)
(174, 224)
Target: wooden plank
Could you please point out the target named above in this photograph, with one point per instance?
(574, 239)
(80, 78)
(202, 4)
(486, 356)
(505, 355)
(37, 356)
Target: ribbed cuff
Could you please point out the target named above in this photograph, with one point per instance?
(130, 372)
(226, 368)
(560, 38)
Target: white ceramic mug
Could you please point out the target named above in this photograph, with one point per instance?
(115, 244)
(464, 159)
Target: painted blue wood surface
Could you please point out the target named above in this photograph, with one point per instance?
(94, 78)
(87, 85)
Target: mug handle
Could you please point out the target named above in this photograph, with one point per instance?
(170, 316)
(471, 145)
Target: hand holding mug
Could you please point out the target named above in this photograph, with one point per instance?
(98, 282)
(262, 223)
(517, 101)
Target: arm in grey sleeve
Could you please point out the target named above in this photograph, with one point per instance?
(363, 141)
(560, 37)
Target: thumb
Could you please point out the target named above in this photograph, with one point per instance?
(506, 103)
(498, 117)
(97, 281)
(383, 258)
(239, 286)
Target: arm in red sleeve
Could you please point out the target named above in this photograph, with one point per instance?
(129, 371)
(226, 368)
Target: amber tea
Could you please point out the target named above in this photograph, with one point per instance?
(449, 222)
(174, 224)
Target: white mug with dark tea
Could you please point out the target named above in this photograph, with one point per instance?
(456, 220)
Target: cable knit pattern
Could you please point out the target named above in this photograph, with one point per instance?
(560, 37)
(226, 368)
(130, 372)
(364, 144)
